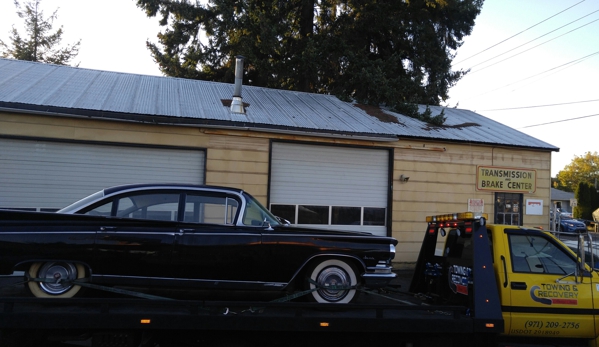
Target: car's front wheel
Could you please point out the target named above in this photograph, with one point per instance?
(54, 279)
(333, 278)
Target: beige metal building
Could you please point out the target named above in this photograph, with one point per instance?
(67, 132)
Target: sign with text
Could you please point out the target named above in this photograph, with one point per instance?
(534, 206)
(476, 205)
(502, 179)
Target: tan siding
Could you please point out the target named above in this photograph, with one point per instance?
(239, 161)
(81, 129)
(442, 182)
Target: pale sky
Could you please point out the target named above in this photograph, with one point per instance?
(554, 63)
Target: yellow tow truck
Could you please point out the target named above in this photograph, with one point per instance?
(522, 282)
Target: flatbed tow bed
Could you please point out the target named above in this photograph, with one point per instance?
(394, 316)
(25, 313)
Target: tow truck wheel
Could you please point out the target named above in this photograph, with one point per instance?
(333, 274)
(57, 277)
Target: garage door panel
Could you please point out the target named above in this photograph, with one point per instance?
(306, 175)
(44, 174)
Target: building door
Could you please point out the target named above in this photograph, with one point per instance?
(508, 208)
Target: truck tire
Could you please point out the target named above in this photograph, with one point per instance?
(328, 273)
(63, 272)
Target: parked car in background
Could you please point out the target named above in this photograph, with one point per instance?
(173, 235)
(567, 224)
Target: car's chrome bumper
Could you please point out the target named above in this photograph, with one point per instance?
(378, 276)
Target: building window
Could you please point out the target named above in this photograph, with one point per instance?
(331, 215)
(284, 211)
(343, 215)
(508, 208)
(308, 214)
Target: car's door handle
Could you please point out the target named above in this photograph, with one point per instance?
(519, 285)
(107, 228)
(181, 231)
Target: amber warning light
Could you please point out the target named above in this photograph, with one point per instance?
(145, 321)
(324, 324)
(455, 217)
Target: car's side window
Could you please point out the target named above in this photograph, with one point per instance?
(156, 206)
(210, 208)
(535, 254)
(102, 210)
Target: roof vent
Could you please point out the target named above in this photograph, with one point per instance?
(237, 103)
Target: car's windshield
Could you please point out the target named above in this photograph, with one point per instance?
(566, 215)
(257, 215)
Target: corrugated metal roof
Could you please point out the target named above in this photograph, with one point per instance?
(35, 87)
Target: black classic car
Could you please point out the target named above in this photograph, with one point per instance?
(201, 237)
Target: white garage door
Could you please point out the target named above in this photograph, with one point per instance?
(47, 175)
(330, 187)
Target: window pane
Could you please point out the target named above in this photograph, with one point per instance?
(210, 209)
(102, 210)
(515, 219)
(533, 254)
(149, 206)
(257, 215)
(284, 211)
(374, 216)
(313, 215)
(343, 215)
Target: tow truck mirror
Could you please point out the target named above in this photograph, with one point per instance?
(443, 232)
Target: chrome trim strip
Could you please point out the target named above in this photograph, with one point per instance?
(379, 275)
(46, 232)
(291, 233)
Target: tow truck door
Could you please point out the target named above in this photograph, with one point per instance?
(543, 296)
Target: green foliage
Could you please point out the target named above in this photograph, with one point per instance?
(583, 169)
(587, 201)
(394, 53)
(41, 44)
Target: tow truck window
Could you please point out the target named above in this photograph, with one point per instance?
(459, 245)
(535, 254)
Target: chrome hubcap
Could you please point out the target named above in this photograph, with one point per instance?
(57, 277)
(329, 280)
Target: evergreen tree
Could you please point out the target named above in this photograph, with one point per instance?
(391, 52)
(40, 44)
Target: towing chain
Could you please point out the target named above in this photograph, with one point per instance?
(226, 311)
(84, 283)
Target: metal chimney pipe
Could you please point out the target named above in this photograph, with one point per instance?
(237, 103)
